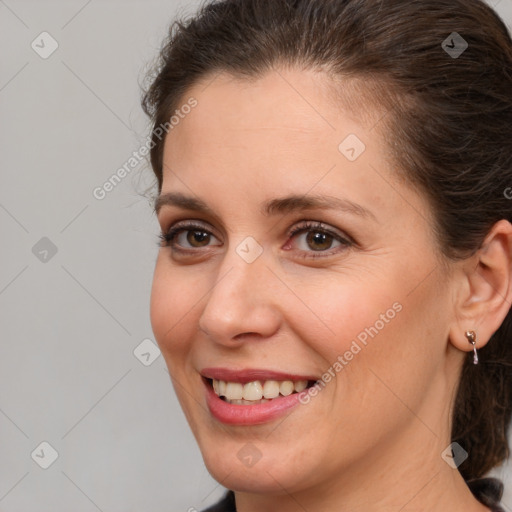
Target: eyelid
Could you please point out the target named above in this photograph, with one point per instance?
(345, 241)
(302, 226)
(191, 223)
(297, 224)
(305, 225)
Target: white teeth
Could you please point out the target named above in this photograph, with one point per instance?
(271, 389)
(256, 391)
(286, 388)
(301, 385)
(253, 391)
(247, 402)
(234, 391)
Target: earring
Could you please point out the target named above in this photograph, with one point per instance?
(471, 336)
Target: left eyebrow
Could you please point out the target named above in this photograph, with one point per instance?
(319, 202)
(278, 206)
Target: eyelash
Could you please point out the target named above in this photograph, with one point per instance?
(167, 239)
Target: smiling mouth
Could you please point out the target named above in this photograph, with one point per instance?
(257, 391)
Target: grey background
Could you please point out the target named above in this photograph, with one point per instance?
(72, 320)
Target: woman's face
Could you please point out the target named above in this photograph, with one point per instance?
(355, 298)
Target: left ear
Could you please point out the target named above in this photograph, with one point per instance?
(485, 295)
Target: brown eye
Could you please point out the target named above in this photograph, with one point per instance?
(319, 241)
(314, 239)
(197, 238)
(187, 237)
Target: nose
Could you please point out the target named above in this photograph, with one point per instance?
(242, 303)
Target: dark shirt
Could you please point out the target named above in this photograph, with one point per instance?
(486, 490)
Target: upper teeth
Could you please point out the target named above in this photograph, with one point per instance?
(257, 390)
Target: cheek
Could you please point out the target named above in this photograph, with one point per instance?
(337, 313)
(368, 336)
(171, 308)
(390, 354)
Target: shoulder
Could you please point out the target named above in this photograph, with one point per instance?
(488, 491)
(226, 504)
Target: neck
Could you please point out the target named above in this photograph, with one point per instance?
(404, 473)
(408, 483)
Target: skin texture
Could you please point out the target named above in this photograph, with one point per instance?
(372, 439)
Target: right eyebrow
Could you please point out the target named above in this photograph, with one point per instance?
(181, 201)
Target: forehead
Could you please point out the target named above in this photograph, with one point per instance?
(284, 112)
(288, 131)
(300, 99)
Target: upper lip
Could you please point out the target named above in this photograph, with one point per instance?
(251, 374)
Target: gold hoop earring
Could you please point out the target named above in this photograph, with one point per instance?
(471, 336)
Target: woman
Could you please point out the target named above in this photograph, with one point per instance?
(332, 292)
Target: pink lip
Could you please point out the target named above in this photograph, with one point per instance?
(248, 414)
(250, 375)
(257, 414)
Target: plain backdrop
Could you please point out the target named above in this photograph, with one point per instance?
(83, 390)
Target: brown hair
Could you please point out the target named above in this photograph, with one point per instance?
(449, 128)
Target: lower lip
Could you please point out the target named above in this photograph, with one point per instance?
(256, 414)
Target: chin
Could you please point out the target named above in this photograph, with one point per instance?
(253, 467)
(262, 478)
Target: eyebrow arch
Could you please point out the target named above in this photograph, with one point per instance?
(276, 206)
